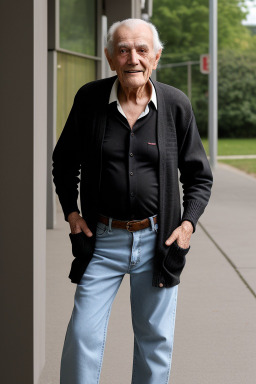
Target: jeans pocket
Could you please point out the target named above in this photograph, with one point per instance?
(82, 246)
(101, 230)
(175, 260)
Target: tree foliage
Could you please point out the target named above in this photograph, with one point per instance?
(237, 94)
(184, 30)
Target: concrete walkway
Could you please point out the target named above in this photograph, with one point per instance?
(215, 339)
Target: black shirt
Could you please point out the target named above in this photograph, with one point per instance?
(129, 181)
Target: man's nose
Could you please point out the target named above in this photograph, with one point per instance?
(133, 57)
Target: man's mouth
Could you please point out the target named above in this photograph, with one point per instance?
(135, 71)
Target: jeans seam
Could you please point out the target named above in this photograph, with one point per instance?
(134, 356)
(104, 338)
(172, 338)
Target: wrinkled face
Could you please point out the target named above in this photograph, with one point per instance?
(133, 57)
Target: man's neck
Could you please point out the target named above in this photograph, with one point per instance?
(140, 95)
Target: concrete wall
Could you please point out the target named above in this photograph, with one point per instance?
(23, 71)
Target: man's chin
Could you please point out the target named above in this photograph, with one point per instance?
(134, 82)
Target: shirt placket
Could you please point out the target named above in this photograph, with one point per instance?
(132, 173)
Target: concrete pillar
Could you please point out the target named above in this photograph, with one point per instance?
(23, 121)
(120, 10)
(53, 31)
(51, 135)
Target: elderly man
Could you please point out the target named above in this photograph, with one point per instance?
(128, 136)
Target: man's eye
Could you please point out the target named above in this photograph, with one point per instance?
(122, 50)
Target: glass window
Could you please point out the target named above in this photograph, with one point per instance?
(72, 73)
(78, 26)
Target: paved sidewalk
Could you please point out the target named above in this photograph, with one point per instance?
(216, 322)
(215, 339)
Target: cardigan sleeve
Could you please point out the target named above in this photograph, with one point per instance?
(195, 173)
(67, 162)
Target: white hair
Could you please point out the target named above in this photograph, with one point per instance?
(131, 23)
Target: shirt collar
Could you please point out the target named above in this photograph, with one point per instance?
(113, 94)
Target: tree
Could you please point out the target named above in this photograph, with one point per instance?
(184, 26)
(237, 94)
(184, 30)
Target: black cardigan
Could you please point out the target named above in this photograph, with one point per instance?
(79, 150)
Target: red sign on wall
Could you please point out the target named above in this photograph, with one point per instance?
(205, 64)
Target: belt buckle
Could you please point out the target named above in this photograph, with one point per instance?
(128, 226)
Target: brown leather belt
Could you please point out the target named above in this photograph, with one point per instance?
(131, 226)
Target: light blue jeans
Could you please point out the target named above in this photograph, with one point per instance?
(118, 252)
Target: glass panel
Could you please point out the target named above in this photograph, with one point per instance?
(72, 73)
(78, 26)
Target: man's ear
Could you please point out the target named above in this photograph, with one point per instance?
(158, 55)
(109, 59)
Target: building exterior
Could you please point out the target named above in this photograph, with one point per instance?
(48, 50)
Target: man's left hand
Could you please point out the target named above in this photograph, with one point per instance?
(182, 235)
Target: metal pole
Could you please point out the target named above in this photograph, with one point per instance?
(189, 80)
(213, 84)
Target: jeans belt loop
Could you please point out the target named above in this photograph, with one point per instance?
(152, 223)
(110, 224)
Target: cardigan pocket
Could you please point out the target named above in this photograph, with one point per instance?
(175, 260)
(82, 245)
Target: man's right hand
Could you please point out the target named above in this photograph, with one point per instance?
(78, 224)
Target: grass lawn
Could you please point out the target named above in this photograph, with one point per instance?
(227, 147)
